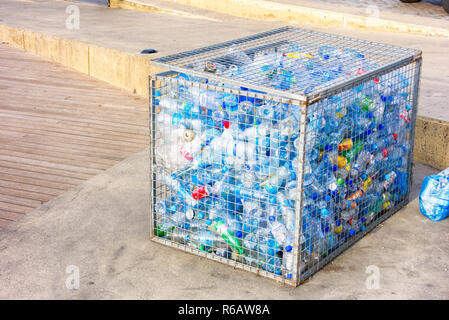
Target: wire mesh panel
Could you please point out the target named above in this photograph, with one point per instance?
(276, 152)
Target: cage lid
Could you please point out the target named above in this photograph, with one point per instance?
(289, 62)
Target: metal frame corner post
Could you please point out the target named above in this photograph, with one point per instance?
(299, 198)
(152, 177)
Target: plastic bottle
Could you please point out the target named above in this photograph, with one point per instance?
(389, 179)
(278, 230)
(177, 188)
(276, 180)
(164, 226)
(227, 236)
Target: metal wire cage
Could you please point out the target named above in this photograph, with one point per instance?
(276, 152)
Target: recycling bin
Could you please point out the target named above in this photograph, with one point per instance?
(276, 152)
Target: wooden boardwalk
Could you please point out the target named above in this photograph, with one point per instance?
(58, 128)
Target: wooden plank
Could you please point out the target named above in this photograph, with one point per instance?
(41, 176)
(11, 216)
(76, 141)
(53, 111)
(60, 155)
(21, 201)
(67, 106)
(92, 103)
(86, 122)
(15, 208)
(30, 187)
(49, 130)
(48, 164)
(35, 182)
(85, 138)
(76, 129)
(71, 165)
(66, 147)
(26, 194)
(74, 176)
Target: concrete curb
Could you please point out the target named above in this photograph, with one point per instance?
(268, 10)
(130, 72)
(125, 70)
(137, 5)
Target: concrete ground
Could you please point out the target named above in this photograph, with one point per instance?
(102, 227)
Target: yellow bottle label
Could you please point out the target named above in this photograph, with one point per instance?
(341, 162)
(298, 55)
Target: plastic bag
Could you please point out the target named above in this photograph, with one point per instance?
(434, 196)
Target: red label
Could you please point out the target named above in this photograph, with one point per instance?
(199, 193)
(186, 154)
(360, 71)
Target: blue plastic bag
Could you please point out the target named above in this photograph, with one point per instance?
(434, 196)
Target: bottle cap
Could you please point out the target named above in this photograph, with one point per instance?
(239, 234)
(314, 196)
(387, 177)
(190, 214)
(188, 135)
(324, 212)
(272, 200)
(328, 198)
(272, 218)
(337, 223)
(289, 276)
(272, 243)
(288, 248)
(351, 232)
(201, 215)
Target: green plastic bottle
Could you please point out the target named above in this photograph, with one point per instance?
(164, 226)
(227, 236)
(351, 154)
